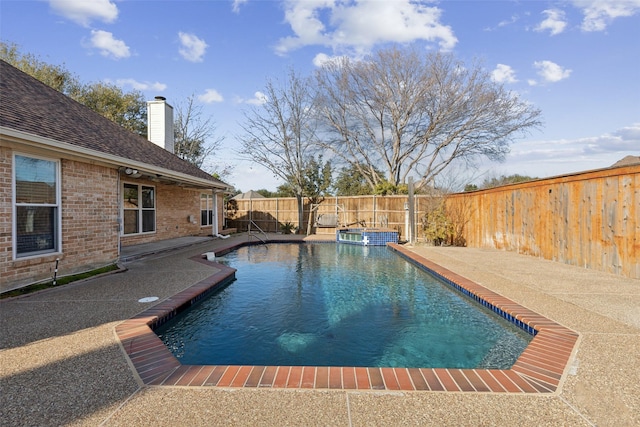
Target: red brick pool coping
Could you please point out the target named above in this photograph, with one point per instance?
(539, 369)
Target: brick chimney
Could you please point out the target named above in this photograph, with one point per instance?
(160, 123)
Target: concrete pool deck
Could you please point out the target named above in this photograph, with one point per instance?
(62, 363)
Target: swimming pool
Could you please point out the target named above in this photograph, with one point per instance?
(339, 305)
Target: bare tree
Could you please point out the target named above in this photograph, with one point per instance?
(406, 113)
(280, 133)
(195, 135)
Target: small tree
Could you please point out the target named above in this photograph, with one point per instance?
(351, 182)
(128, 109)
(435, 224)
(195, 138)
(386, 188)
(445, 218)
(458, 212)
(280, 134)
(317, 182)
(504, 180)
(317, 179)
(54, 76)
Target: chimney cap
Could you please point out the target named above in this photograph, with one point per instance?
(160, 98)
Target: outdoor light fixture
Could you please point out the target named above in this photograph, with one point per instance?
(133, 173)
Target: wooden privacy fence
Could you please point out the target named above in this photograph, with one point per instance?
(588, 219)
(369, 211)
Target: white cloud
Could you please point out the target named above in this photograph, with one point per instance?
(82, 12)
(622, 140)
(504, 23)
(322, 58)
(631, 134)
(193, 48)
(359, 25)
(143, 86)
(550, 72)
(210, 96)
(555, 22)
(259, 98)
(503, 74)
(109, 46)
(304, 21)
(598, 14)
(619, 143)
(510, 21)
(560, 156)
(237, 4)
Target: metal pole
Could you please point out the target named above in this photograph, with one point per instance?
(55, 273)
(214, 226)
(412, 213)
(374, 211)
(250, 214)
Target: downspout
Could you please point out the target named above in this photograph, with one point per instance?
(214, 229)
(119, 196)
(215, 217)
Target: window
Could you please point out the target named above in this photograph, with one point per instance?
(139, 209)
(206, 209)
(37, 206)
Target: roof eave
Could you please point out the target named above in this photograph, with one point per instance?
(107, 159)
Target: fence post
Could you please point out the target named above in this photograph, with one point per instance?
(374, 211)
(412, 213)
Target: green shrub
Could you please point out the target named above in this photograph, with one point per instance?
(287, 227)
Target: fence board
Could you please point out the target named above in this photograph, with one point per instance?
(589, 219)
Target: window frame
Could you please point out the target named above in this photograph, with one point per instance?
(210, 209)
(139, 210)
(57, 206)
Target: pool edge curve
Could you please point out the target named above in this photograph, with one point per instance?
(540, 368)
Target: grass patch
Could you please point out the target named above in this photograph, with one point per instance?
(61, 281)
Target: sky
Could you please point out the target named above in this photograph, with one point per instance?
(575, 60)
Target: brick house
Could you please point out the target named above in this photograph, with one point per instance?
(76, 187)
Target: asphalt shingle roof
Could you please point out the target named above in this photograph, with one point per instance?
(28, 105)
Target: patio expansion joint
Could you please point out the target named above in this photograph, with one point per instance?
(540, 369)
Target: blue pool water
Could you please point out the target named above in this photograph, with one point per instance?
(339, 305)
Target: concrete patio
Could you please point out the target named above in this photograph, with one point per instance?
(61, 363)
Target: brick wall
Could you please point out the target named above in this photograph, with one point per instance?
(89, 224)
(89, 215)
(90, 221)
(174, 206)
(5, 214)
